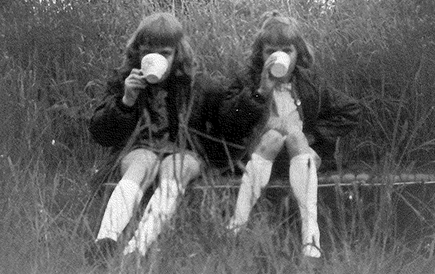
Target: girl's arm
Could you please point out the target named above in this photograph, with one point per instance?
(328, 112)
(205, 105)
(224, 119)
(242, 111)
(113, 122)
(246, 106)
(338, 114)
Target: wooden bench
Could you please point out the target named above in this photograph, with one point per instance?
(345, 179)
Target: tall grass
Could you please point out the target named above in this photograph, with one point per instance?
(56, 55)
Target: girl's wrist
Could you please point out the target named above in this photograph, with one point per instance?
(260, 95)
(128, 102)
(265, 92)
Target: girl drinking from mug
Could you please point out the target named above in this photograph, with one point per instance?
(144, 118)
(304, 116)
(140, 121)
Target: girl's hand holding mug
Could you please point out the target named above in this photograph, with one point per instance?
(268, 82)
(276, 70)
(133, 85)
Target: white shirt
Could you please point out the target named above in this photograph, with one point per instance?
(284, 116)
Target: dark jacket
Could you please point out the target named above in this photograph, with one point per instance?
(225, 122)
(157, 109)
(327, 113)
(220, 122)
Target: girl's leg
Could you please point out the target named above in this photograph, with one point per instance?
(303, 180)
(139, 169)
(256, 176)
(176, 171)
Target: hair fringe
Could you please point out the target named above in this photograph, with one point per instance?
(184, 63)
(274, 24)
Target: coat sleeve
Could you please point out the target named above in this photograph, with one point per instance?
(226, 118)
(338, 114)
(242, 111)
(205, 103)
(113, 122)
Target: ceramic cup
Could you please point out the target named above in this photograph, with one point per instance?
(154, 66)
(280, 67)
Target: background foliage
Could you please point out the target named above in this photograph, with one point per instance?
(56, 55)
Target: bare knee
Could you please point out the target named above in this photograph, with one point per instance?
(270, 145)
(310, 157)
(297, 144)
(180, 166)
(140, 157)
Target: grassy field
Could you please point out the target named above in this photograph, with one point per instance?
(56, 55)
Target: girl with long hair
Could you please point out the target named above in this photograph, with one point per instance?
(305, 116)
(163, 131)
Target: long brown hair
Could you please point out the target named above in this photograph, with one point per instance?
(161, 29)
(278, 30)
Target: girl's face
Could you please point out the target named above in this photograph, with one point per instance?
(165, 51)
(268, 49)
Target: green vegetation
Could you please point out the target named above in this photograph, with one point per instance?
(56, 55)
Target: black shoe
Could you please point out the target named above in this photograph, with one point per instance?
(101, 251)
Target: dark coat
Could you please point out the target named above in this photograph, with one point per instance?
(113, 123)
(220, 125)
(327, 113)
(225, 122)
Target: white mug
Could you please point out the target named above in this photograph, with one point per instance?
(154, 66)
(281, 65)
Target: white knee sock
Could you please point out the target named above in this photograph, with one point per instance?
(303, 179)
(159, 210)
(162, 204)
(255, 178)
(119, 210)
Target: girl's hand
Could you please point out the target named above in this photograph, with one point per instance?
(268, 82)
(133, 85)
(310, 138)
